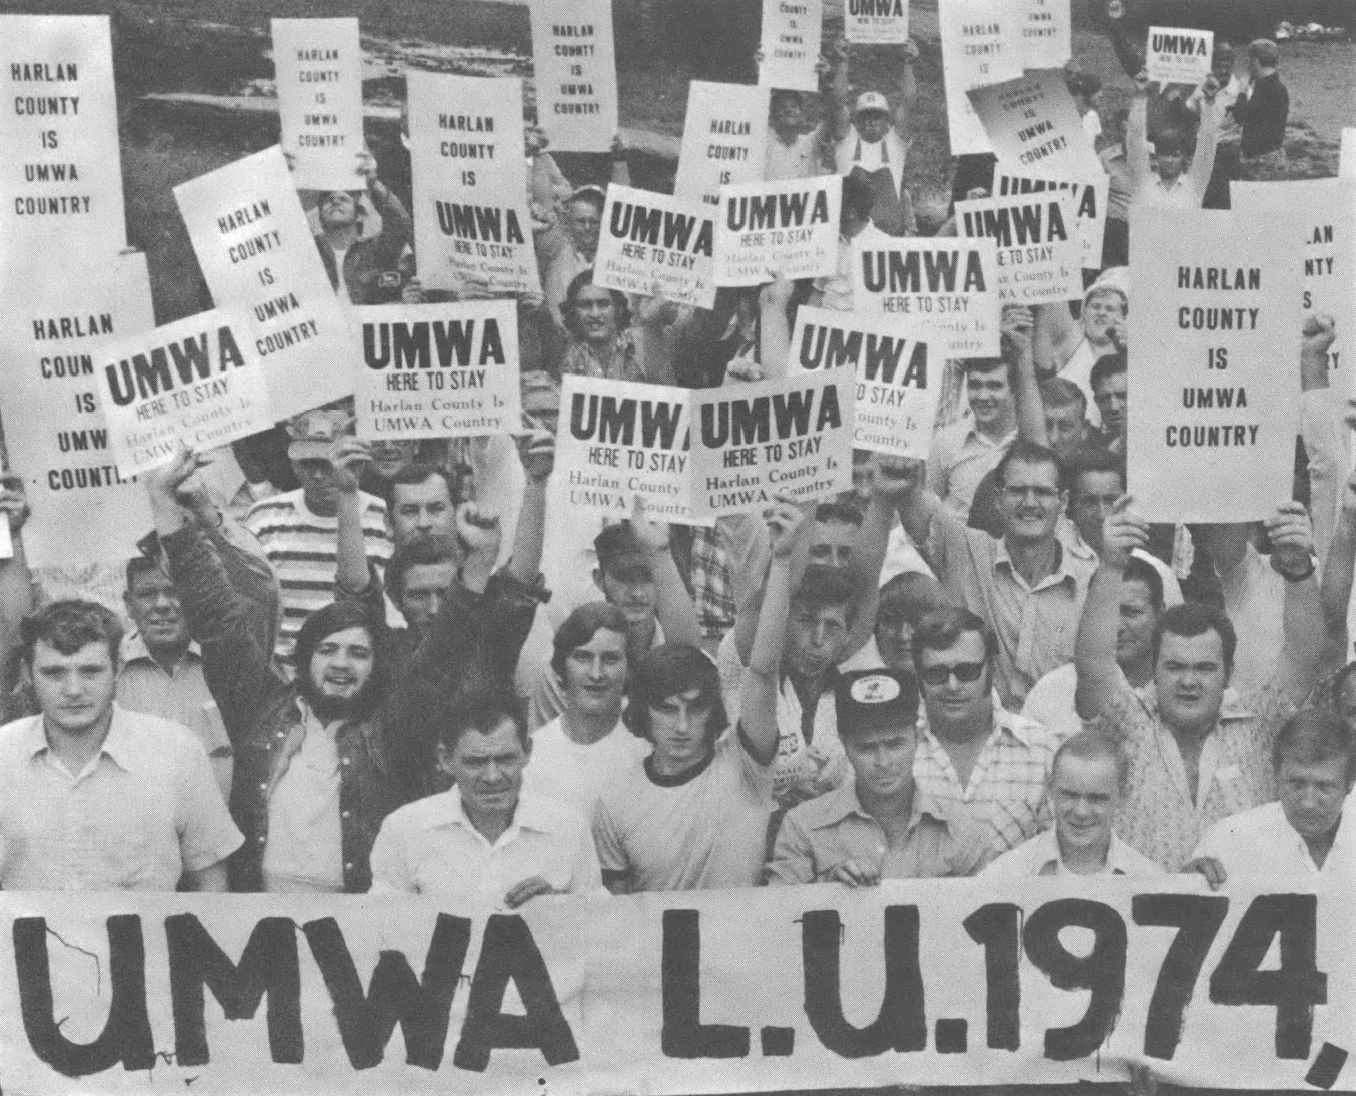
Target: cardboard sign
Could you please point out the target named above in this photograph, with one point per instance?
(260, 261)
(788, 227)
(318, 67)
(657, 245)
(1040, 255)
(1047, 34)
(724, 139)
(790, 44)
(981, 45)
(61, 180)
(1177, 55)
(1214, 365)
(196, 382)
(876, 22)
(575, 73)
(1033, 124)
(1089, 193)
(897, 382)
(1346, 168)
(948, 284)
(50, 337)
(750, 441)
(471, 218)
(436, 370)
(620, 441)
(1325, 210)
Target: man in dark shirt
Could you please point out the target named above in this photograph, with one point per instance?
(1262, 111)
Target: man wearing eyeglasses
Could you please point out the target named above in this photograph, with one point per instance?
(975, 757)
(1026, 588)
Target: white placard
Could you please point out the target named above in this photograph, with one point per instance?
(897, 380)
(724, 139)
(436, 370)
(61, 179)
(261, 264)
(1047, 34)
(51, 332)
(471, 219)
(657, 245)
(981, 44)
(1214, 365)
(1177, 55)
(575, 73)
(1040, 254)
(876, 22)
(1032, 123)
(318, 68)
(788, 227)
(1346, 168)
(196, 382)
(1089, 194)
(790, 43)
(946, 283)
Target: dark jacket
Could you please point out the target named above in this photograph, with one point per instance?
(372, 265)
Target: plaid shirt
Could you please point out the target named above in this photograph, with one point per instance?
(712, 589)
(1006, 793)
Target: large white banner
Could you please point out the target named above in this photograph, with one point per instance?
(260, 261)
(471, 219)
(944, 982)
(61, 178)
(575, 73)
(318, 68)
(724, 139)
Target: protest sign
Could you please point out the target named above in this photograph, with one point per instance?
(1346, 166)
(1033, 124)
(471, 218)
(947, 283)
(1214, 365)
(61, 181)
(621, 441)
(1040, 255)
(575, 73)
(436, 370)
(918, 982)
(1178, 55)
(1323, 212)
(790, 44)
(1047, 34)
(261, 264)
(657, 245)
(317, 65)
(1089, 192)
(876, 22)
(50, 339)
(897, 384)
(752, 441)
(788, 227)
(196, 382)
(981, 44)
(724, 139)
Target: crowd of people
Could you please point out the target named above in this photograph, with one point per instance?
(413, 668)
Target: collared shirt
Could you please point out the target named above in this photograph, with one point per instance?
(304, 852)
(1006, 790)
(1035, 625)
(817, 836)
(1187, 191)
(959, 458)
(430, 847)
(1262, 844)
(143, 811)
(1040, 856)
(712, 583)
(1235, 773)
(798, 160)
(179, 694)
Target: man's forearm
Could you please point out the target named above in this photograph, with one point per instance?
(1095, 646)
(530, 533)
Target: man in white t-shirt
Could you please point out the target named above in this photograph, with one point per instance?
(579, 752)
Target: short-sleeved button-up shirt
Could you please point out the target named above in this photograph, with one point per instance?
(1035, 625)
(1041, 856)
(959, 459)
(817, 836)
(1006, 790)
(1161, 818)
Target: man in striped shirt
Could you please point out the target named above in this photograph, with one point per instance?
(298, 529)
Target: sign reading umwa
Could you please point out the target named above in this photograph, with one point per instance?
(940, 982)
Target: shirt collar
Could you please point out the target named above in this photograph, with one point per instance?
(117, 743)
(531, 813)
(1231, 709)
(1045, 854)
(843, 802)
(1061, 571)
(134, 649)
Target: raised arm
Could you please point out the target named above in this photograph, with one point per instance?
(1319, 429)
(1099, 676)
(1055, 335)
(674, 610)
(774, 329)
(538, 454)
(1017, 352)
(621, 169)
(16, 581)
(908, 89)
(1337, 578)
(352, 575)
(1137, 138)
(1203, 160)
(838, 111)
(1292, 544)
(397, 229)
(917, 506)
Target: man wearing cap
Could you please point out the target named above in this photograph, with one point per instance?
(363, 267)
(879, 825)
(1087, 790)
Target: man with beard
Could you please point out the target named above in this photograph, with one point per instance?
(363, 268)
(312, 783)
